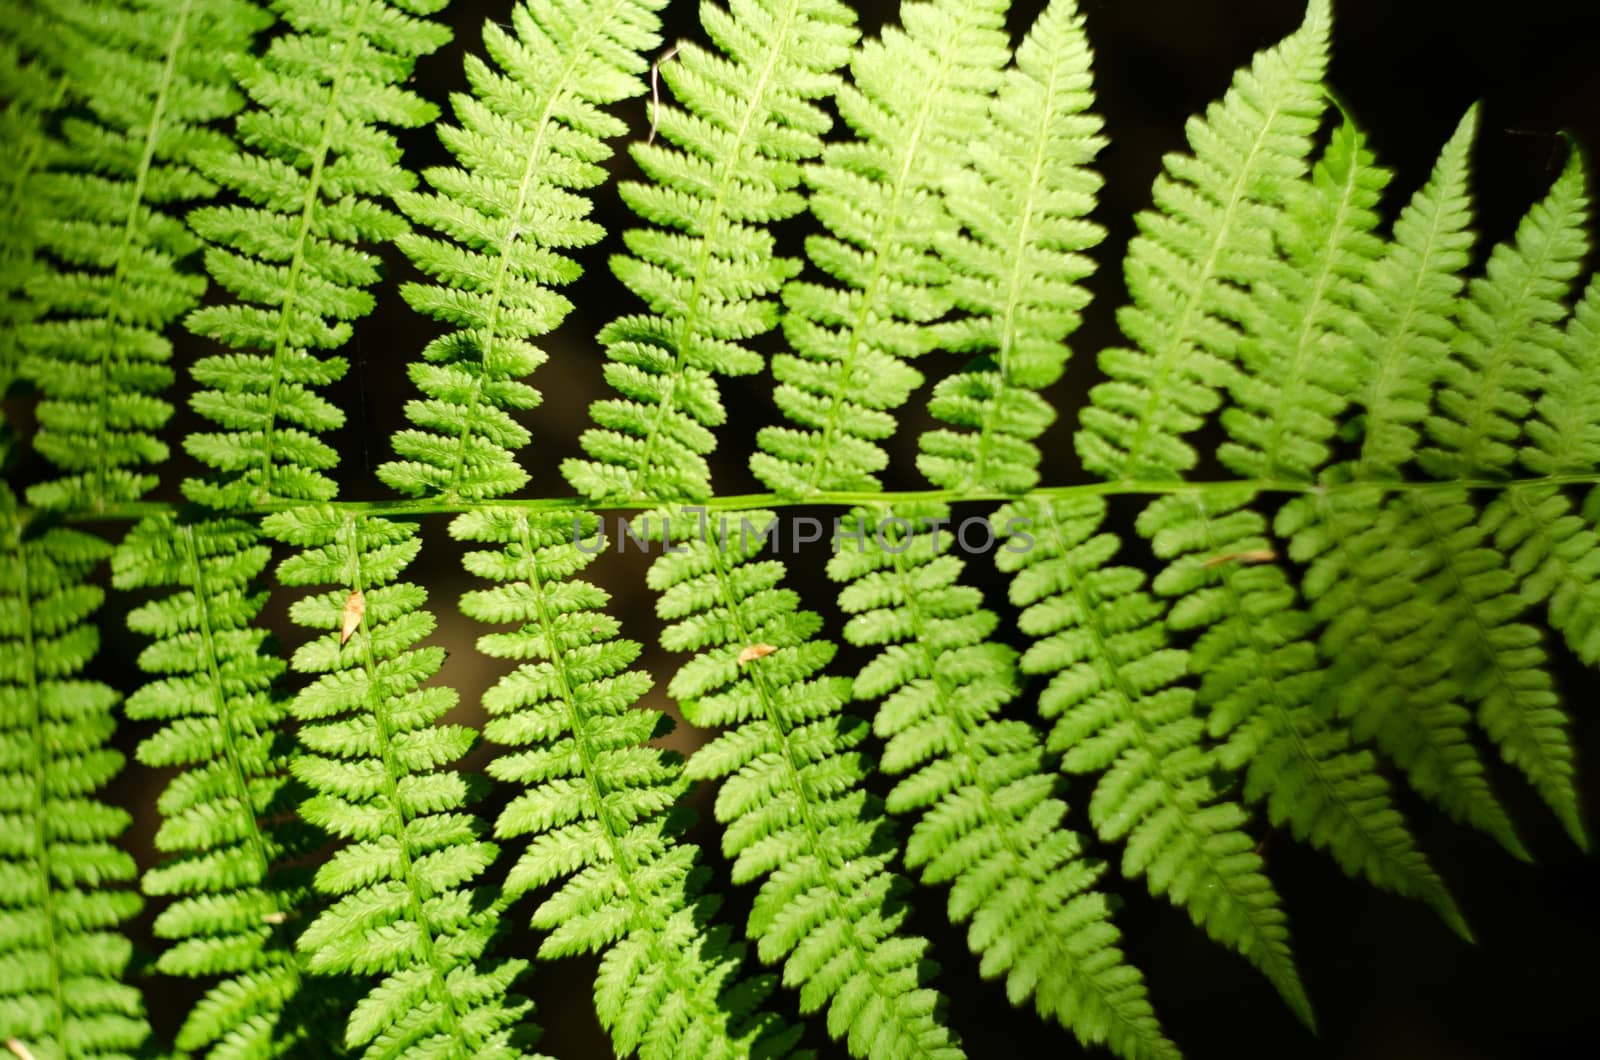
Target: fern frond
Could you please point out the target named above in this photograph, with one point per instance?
(1380, 625)
(1299, 356)
(153, 75)
(407, 910)
(988, 822)
(530, 139)
(1506, 337)
(1016, 272)
(1211, 229)
(62, 899)
(1507, 347)
(796, 814)
(235, 902)
(1373, 582)
(1262, 686)
(1407, 306)
(318, 167)
(33, 85)
(597, 803)
(919, 94)
(1120, 712)
(1553, 549)
(728, 167)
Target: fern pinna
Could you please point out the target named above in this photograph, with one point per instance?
(1385, 561)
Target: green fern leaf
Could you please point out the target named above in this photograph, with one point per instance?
(313, 182)
(707, 269)
(1553, 549)
(597, 804)
(1263, 688)
(1016, 274)
(1120, 712)
(988, 823)
(1379, 628)
(235, 899)
(1300, 357)
(796, 814)
(1212, 226)
(1506, 347)
(1406, 306)
(62, 951)
(1372, 580)
(919, 94)
(1506, 337)
(529, 140)
(106, 215)
(407, 909)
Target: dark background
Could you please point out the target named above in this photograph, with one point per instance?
(1386, 977)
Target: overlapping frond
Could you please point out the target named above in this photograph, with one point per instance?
(1406, 307)
(1507, 336)
(918, 96)
(596, 803)
(33, 84)
(235, 904)
(316, 166)
(530, 139)
(1121, 712)
(1211, 230)
(727, 166)
(1553, 549)
(797, 817)
(988, 822)
(63, 893)
(1380, 620)
(152, 74)
(1263, 690)
(1300, 357)
(408, 911)
(1016, 269)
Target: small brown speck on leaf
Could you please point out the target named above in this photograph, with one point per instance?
(753, 652)
(355, 608)
(1256, 555)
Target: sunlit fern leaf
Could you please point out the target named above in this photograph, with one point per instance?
(727, 165)
(1406, 306)
(1299, 354)
(1553, 549)
(235, 903)
(1506, 347)
(408, 911)
(1373, 581)
(1015, 270)
(316, 167)
(987, 822)
(1211, 228)
(596, 803)
(154, 74)
(1121, 713)
(919, 95)
(63, 898)
(531, 138)
(795, 813)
